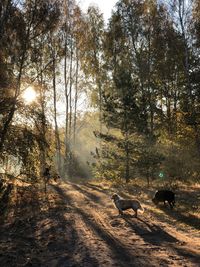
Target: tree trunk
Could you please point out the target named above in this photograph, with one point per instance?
(76, 98)
(65, 167)
(7, 123)
(127, 164)
(57, 137)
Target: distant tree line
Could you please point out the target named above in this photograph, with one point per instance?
(149, 72)
(39, 47)
(141, 72)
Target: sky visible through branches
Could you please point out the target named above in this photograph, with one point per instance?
(105, 6)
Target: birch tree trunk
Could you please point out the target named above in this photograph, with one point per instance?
(57, 136)
(76, 98)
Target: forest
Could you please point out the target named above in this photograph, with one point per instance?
(90, 107)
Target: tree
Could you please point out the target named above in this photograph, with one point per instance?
(91, 52)
(25, 26)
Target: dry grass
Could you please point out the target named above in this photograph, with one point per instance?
(186, 213)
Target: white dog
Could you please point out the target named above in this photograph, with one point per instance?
(124, 204)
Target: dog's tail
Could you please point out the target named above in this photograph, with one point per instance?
(141, 209)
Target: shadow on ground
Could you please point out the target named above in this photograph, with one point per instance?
(42, 233)
(187, 201)
(150, 232)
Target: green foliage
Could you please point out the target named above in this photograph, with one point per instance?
(141, 73)
(149, 162)
(149, 95)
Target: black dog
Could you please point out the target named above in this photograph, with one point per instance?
(164, 195)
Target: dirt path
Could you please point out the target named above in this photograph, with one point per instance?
(81, 227)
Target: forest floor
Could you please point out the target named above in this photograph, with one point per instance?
(76, 224)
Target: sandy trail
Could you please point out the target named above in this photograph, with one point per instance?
(81, 227)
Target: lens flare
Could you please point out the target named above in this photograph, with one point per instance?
(161, 175)
(29, 95)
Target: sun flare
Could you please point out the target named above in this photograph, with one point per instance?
(29, 95)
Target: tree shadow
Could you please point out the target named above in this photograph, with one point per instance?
(190, 219)
(151, 233)
(186, 253)
(4, 200)
(15, 235)
(90, 195)
(155, 235)
(97, 188)
(40, 238)
(186, 201)
(121, 254)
